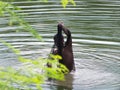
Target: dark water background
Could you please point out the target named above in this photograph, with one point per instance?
(95, 27)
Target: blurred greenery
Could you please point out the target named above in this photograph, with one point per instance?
(32, 72)
(64, 3)
(15, 18)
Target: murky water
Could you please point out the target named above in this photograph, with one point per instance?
(95, 27)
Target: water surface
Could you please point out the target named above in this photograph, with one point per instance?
(95, 27)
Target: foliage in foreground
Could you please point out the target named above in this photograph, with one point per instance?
(8, 10)
(63, 2)
(31, 72)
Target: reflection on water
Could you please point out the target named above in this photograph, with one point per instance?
(95, 27)
(67, 84)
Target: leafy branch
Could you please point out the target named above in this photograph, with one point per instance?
(32, 72)
(66, 2)
(6, 8)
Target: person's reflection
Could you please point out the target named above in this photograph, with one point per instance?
(64, 85)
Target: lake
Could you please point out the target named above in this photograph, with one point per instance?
(95, 28)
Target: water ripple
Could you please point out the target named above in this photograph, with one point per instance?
(95, 28)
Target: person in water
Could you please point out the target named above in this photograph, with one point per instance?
(64, 49)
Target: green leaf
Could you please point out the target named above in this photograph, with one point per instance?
(45, 0)
(16, 51)
(73, 2)
(64, 3)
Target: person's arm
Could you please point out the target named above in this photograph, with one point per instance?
(68, 33)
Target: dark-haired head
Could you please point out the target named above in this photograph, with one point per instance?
(60, 27)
